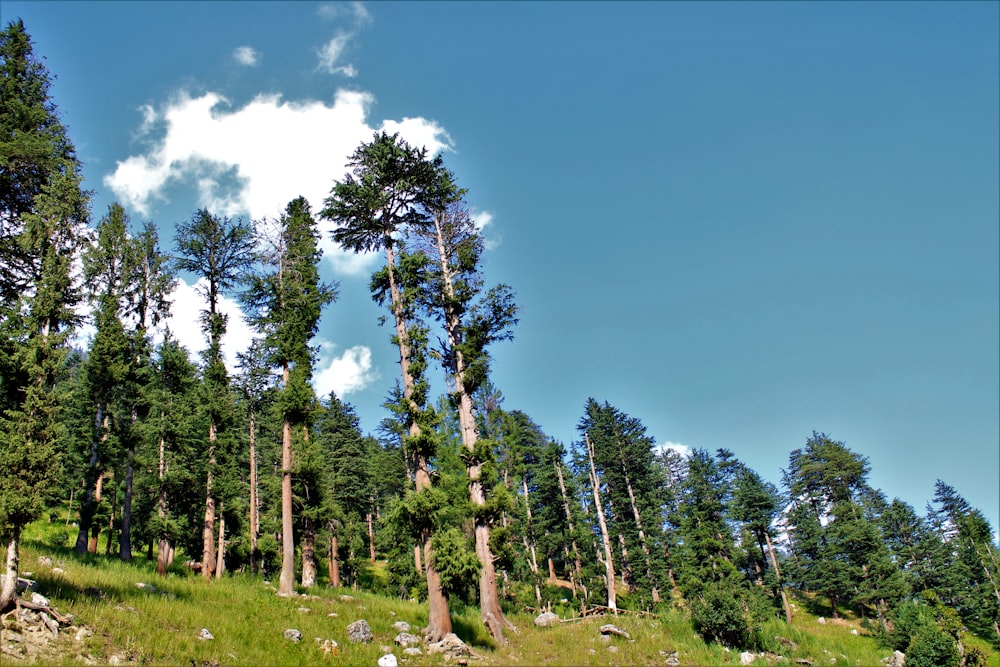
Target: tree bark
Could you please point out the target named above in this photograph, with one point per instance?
(577, 563)
(642, 536)
(439, 615)
(9, 589)
(371, 538)
(608, 560)
(220, 552)
(333, 562)
(95, 527)
(286, 582)
(208, 527)
(489, 597)
(777, 572)
(308, 554)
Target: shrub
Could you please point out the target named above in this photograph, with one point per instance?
(931, 647)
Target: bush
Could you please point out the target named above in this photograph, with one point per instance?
(931, 647)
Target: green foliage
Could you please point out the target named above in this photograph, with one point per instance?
(931, 647)
(456, 563)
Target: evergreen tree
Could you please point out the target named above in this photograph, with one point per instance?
(392, 186)
(285, 306)
(218, 250)
(472, 321)
(43, 213)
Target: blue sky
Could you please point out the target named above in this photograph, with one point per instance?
(738, 222)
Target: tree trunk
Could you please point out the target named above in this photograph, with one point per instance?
(577, 563)
(286, 582)
(111, 519)
(308, 554)
(125, 542)
(608, 561)
(220, 552)
(439, 615)
(777, 572)
(371, 538)
(333, 562)
(9, 589)
(254, 503)
(89, 506)
(208, 527)
(417, 560)
(642, 537)
(163, 545)
(95, 527)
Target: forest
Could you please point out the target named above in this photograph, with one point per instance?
(457, 500)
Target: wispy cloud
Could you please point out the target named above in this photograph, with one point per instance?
(256, 158)
(683, 450)
(331, 54)
(482, 220)
(246, 55)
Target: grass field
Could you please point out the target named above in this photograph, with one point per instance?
(136, 624)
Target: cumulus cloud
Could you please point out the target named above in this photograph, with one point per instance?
(246, 55)
(348, 372)
(482, 219)
(256, 158)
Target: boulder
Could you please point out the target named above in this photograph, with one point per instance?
(38, 598)
(401, 626)
(292, 634)
(405, 639)
(388, 660)
(359, 632)
(545, 619)
(412, 651)
(746, 658)
(329, 647)
(204, 634)
(450, 646)
(821, 620)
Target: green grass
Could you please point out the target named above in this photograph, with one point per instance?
(248, 622)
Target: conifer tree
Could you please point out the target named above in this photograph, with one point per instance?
(472, 320)
(217, 250)
(43, 213)
(391, 186)
(285, 305)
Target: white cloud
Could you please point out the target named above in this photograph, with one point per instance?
(482, 219)
(349, 372)
(256, 158)
(683, 450)
(246, 55)
(185, 322)
(354, 10)
(330, 55)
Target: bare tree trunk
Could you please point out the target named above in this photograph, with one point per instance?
(254, 502)
(333, 562)
(371, 538)
(777, 572)
(642, 537)
(9, 589)
(608, 561)
(208, 527)
(220, 552)
(531, 546)
(577, 563)
(163, 544)
(417, 560)
(308, 554)
(286, 582)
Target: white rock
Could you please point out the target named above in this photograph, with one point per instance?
(293, 635)
(746, 658)
(37, 598)
(388, 661)
(205, 634)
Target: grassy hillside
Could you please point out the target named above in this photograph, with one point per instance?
(134, 623)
